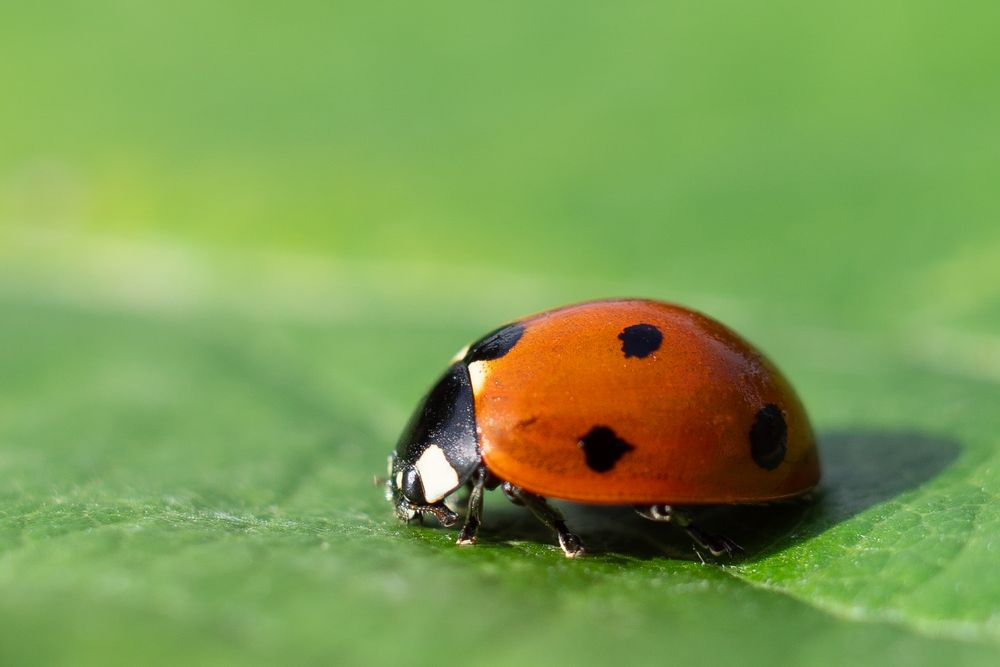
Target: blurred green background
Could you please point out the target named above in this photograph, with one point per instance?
(238, 240)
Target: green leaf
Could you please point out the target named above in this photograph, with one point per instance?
(238, 242)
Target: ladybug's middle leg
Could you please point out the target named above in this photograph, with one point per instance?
(550, 516)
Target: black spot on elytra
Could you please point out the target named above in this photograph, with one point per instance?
(769, 437)
(602, 448)
(495, 344)
(640, 340)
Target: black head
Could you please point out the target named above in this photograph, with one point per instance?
(438, 450)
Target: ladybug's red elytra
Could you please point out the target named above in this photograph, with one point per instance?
(618, 402)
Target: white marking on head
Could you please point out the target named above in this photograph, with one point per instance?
(399, 480)
(460, 354)
(436, 474)
(478, 372)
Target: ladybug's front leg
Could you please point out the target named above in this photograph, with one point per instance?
(474, 518)
(550, 516)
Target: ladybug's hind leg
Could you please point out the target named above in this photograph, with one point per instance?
(718, 545)
(474, 518)
(550, 516)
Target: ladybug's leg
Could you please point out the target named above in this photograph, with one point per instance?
(550, 516)
(717, 544)
(663, 513)
(475, 515)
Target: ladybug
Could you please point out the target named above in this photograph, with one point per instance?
(616, 402)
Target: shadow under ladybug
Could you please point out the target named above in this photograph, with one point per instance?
(853, 462)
